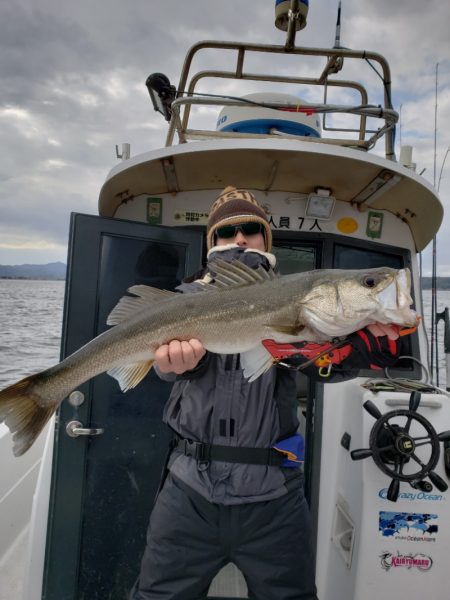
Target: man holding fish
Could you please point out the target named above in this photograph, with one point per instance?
(233, 487)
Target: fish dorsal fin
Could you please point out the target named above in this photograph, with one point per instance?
(129, 376)
(226, 274)
(255, 362)
(237, 274)
(130, 305)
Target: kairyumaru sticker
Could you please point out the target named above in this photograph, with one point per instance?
(422, 562)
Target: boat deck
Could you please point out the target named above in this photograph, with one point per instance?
(12, 569)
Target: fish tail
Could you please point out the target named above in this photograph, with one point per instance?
(22, 412)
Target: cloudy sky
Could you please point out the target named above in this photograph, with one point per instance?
(72, 87)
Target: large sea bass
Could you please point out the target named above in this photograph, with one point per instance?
(233, 315)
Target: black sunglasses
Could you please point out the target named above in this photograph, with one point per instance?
(230, 231)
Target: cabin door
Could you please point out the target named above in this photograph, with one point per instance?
(103, 486)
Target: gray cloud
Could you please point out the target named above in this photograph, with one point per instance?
(73, 86)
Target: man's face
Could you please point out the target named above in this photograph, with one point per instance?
(254, 241)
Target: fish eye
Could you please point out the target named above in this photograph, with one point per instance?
(369, 281)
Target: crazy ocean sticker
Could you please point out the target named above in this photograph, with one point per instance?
(412, 527)
(424, 496)
(422, 562)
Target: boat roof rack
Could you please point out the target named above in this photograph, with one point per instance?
(365, 139)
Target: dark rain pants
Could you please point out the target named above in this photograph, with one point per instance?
(190, 539)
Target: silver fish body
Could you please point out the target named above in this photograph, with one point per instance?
(232, 315)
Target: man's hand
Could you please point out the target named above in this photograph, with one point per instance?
(375, 346)
(179, 357)
(379, 330)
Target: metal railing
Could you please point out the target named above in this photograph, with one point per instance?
(181, 107)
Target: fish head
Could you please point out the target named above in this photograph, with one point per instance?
(341, 302)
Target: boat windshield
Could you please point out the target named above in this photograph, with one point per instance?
(349, 257)
(331, 252)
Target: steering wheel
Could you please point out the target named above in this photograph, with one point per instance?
(392, 446)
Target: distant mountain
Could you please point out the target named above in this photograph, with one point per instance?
(442, 283)
(56, 270)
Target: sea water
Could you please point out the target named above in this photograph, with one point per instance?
(31, 322)
(30, 327)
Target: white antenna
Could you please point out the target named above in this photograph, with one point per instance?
(435, 125)
(126, 151)
(434, 346)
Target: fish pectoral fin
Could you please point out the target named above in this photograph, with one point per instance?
(130, 305)
(255, 362)
(289, 329)
(129, 376)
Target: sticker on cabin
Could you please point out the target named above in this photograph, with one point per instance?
(421, 562)
(347, 225)
(154, 211)
(300, 223)
(411, 527)
(413, 496)
(374, 224)
(192, 217)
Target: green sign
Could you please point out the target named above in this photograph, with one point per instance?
(154, 211)
(374, 224)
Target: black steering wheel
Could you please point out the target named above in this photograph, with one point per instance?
(392, 446)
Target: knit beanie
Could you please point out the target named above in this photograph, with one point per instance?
(233, 207)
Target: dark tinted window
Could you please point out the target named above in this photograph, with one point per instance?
(295, 259)
(349, 257)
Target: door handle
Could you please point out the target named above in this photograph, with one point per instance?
(75, 429)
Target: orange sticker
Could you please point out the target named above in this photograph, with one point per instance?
(347, 225)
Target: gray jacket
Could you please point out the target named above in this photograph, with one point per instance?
(215, 404)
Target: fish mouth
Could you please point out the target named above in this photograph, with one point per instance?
(395, 300)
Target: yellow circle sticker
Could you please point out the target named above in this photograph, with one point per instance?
(347, 225)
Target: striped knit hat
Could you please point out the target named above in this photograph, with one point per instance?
(233, 207)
